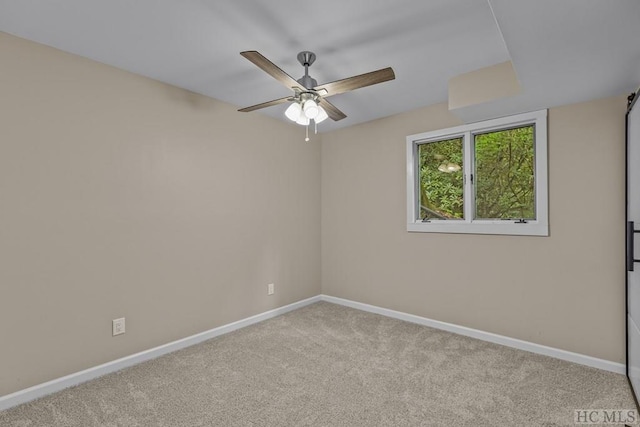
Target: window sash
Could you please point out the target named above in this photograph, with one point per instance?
(418, 168)
(476, 175)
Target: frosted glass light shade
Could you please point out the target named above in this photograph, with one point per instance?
(302, 120)
(322, 115)
(310, 109)
(293, 112)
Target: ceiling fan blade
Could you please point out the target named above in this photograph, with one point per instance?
(266, 104)
(332, 110)
(356, 82)
(272, 69)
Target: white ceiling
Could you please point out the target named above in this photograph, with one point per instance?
(563, 51)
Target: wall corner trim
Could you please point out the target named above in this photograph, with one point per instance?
(58, 384)
(582, 359)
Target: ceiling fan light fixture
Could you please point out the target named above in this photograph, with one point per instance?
(303, 120)
(322, 115)
(310, 109)
(293, 112)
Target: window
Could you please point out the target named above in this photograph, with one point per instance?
(485, 178)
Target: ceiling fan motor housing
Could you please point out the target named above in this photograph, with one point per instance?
(308, 82)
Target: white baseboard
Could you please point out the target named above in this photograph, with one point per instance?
(58, 384)
(569, 356)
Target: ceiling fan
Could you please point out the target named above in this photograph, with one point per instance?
(309, 99)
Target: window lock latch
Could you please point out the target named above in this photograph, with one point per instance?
(520, 221)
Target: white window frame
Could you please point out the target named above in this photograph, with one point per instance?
(537, 227)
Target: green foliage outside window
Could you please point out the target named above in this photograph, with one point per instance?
(505, 179)
(504, 176)
(441, 179)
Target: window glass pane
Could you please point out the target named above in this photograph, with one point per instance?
(505, 174)
(441, 179)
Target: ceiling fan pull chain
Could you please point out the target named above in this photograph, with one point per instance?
(307, 134)
(315, 124)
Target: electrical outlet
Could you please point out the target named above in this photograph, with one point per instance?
(118, 326)
(271, 289)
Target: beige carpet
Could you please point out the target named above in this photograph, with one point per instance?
(327, 365)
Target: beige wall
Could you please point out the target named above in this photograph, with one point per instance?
(564, 291)
(484, 85)
(122, 196)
